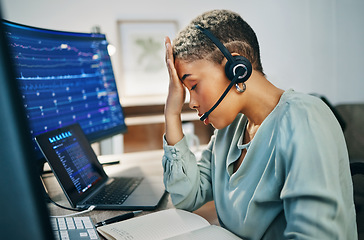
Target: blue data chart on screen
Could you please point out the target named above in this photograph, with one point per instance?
(74, 160)
(66, 78)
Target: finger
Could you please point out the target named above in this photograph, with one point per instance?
(166, 44)
(169, 53)
(173, 76)
(170, 61)
(170, 67)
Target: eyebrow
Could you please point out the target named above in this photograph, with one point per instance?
(185, 76)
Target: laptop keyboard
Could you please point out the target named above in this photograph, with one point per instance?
(116, 192)
(74, 228)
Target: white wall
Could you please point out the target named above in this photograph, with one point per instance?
(309, 45)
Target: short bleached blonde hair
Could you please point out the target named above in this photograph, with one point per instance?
(191, 44)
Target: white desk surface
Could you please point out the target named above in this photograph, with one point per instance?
(131, 164)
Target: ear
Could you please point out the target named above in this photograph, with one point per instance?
(238, 62)
(224, 61)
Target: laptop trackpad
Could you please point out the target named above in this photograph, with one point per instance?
(148, 193)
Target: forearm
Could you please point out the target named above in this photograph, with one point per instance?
(175, 100)
(173, 128)
(188, 182)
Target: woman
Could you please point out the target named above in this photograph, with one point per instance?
(277, 165)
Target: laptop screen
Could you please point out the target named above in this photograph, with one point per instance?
(72, 160)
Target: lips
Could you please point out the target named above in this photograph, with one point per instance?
(206, 121)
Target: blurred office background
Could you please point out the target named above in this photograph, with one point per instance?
(308, 45)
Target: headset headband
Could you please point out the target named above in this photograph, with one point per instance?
(218, 44)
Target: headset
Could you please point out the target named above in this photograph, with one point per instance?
(237, 69)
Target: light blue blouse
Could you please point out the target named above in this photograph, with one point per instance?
(294, 182)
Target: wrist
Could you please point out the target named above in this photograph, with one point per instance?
(173, 128)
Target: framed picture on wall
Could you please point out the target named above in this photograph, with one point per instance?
(143, 70)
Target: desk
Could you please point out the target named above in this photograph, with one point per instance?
(131, 164)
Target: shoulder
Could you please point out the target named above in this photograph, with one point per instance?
(305, 122)
(300, 102)
(299, 120)
(297, 109)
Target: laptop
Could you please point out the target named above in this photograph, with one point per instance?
(83, 179)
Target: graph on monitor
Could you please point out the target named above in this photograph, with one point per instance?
(64, 78)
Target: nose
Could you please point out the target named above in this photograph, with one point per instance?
(193, 104)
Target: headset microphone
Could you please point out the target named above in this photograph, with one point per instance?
(237, 69)
(206, 114)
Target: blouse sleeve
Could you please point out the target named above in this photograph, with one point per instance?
(316, 193)
(187, 180)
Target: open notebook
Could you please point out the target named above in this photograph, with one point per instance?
(166, 224)
(84, 180)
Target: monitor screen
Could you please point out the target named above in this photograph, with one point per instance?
(24, 214)
(64, 78)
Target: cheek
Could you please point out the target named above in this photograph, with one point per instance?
(211, 93)
(225, 113)
(209, 98)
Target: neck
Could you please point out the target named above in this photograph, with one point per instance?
(261, 98)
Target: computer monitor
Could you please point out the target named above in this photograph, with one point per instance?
(64, 78)
(24, 214)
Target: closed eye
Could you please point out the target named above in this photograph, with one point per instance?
(193, 87)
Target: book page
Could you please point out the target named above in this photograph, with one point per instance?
(211, 232)
(158, 225)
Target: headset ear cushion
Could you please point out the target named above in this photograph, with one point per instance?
(232, 67)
